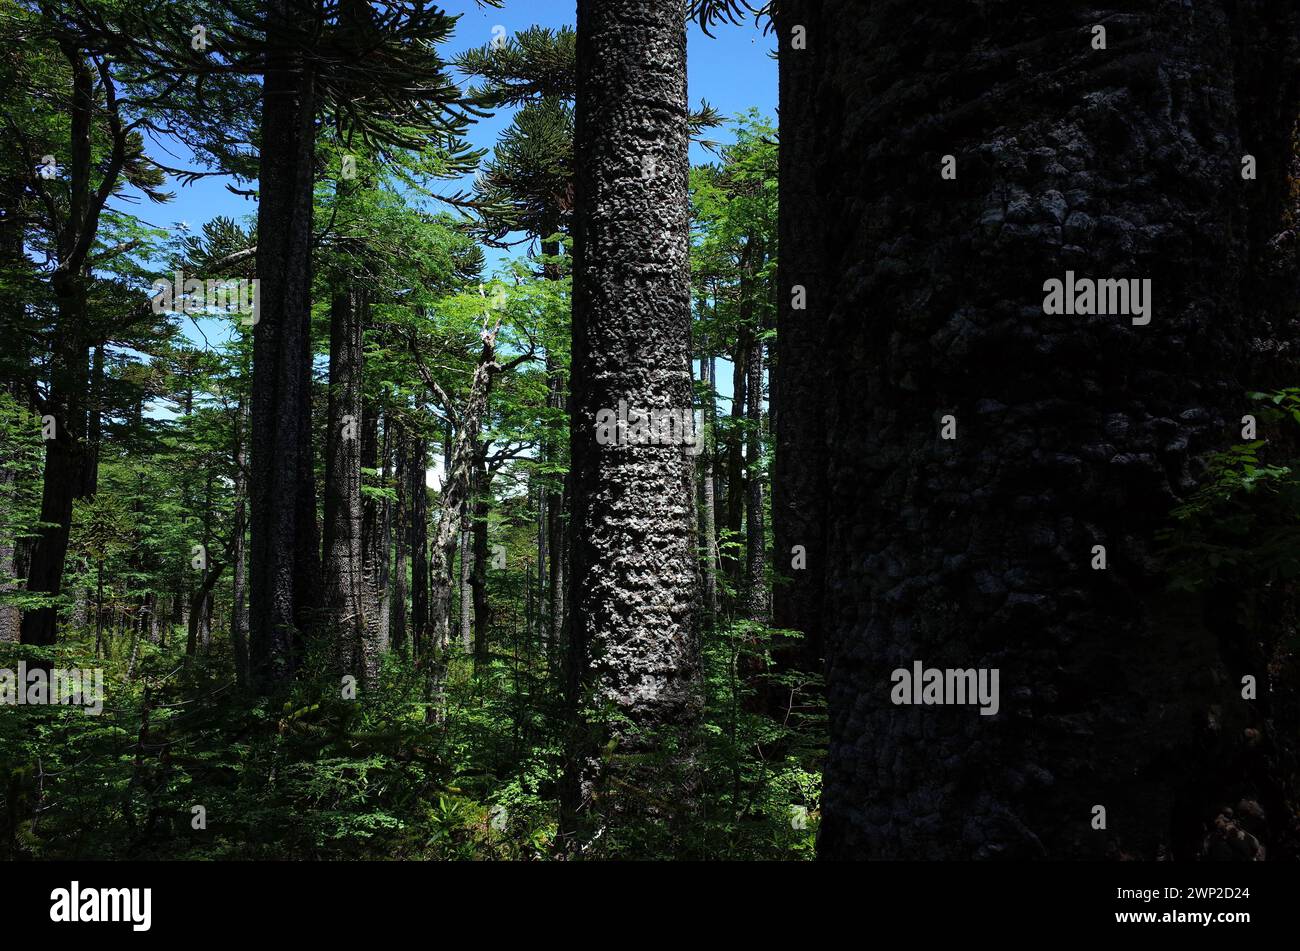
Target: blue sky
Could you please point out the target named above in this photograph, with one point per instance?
(732, 70)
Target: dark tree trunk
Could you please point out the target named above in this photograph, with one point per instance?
(798, 464)
(756, 601)
(478, 580)
(733, 511)
(417, 500)
(63, 460)
(1072, 431)
(708, 502)
(374, 542)
(239, 555)
(347, 607)
(94, 425)
(401, 535)
(284, 561)
(632, 643)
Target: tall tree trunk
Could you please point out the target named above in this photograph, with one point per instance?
(708, 506)
(374, 539)
(734, 507)
(466, 589)
(63, 460)
(798, 464)
(94, 425)
(455, 494)
(239, 551)
(976, 552)
(632, 643)
(478, 580)
(346, 603)
(284, 561)
(401, 536)
(417, 500)
(756, 601)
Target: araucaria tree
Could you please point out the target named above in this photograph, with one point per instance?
(996, 471)
(632, 652)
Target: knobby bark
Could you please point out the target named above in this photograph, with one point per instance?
(239, 551)
(347, 602)
(708, 500)
(375, 540)
(284, 560)
(1072, 431)
(632, 646)
(756, 600)
(424, 638)
(798, 466)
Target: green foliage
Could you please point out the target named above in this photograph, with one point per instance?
(1246, 513)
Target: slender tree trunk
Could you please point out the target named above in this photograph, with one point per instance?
(455, 494)
(755, 538)
(346, 603)
(708, 507)
(418, 508)
(374, 566)
(94, 425)
(734, 508)
(1071, 431)
(239, 555)
(10, 617)
(284, 561)
(632, 646)
(478, 580)
(466, 590)
(401, 537)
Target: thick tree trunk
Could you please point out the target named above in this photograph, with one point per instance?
(346, 602)
(284, 562)
(633, 646)
(1071, 431)
(798, 464)
(63, 460)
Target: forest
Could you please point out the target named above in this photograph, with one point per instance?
(513, 455)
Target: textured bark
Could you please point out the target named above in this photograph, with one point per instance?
(347, 605)
(63, 460)
(798, 464)
(400, 536)
(284, 559)
(733, 508)
(455, 493)
(1072, 431)
(239, 552)
(756, 600)
(67, 372)
(374, 545)
(417, 501)
(708, 503)
(466, 589)
(633, 649)
(478, 580)
(94, 425)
